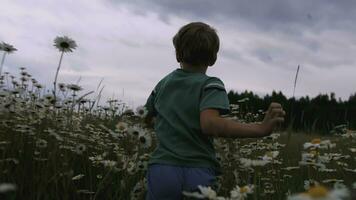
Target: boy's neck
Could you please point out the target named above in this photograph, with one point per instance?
(193, 68)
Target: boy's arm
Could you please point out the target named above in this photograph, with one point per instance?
(214, 125)
(151, 111)
(150, 121)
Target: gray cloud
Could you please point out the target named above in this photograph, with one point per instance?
(128, 43)
(286, 15)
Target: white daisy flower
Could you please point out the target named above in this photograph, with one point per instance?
(273, 136)
(271, 155)
(108, 163)
(243, 100)
(252, 163)
(135, 130)
(77, 177)
(240, 193)
(74, 87)
(121, 127)
(318, 143)
(321, 193)
(41, 143)
(7, 48)
(141, 111)
(79, 149)
(145, 139)
(310, 183)
(7, 187)
(205, 192)
(64, 44)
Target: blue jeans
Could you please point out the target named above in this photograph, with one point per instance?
(169, 181)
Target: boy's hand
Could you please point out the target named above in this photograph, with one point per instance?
(274, 116)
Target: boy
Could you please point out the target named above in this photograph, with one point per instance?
(186, 106)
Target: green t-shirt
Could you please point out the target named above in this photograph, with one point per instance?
(176, 102)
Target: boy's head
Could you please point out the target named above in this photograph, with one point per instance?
(197, 44)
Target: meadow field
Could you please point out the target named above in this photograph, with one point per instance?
(72, 147)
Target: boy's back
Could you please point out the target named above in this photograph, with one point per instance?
(187, 105)
(177, 101)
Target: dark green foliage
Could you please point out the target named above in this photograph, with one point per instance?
(318, 114)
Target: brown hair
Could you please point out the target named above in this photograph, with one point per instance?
(197, 44)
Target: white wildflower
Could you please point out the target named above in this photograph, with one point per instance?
(271, 155)
(79, 149)
(77, 177)
(248, 162)
(321, 193)
(7, 187)
(41, 143)
(121, 127)
(240, 193)
(64, 44)
(205, 192)
(141, 111)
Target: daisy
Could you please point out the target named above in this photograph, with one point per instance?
(332, 180)
(310, 183)
(79, 149)
(63, 44)
(142, 165)
(134, 130)
(130, 167)
(240, 193)
(243, 100)
(8, 49)
(349, 134)
(121, 127)
(74, 87)
(7, 187)
(291, 168)
(318, 143)
(62, 87)
(77, 177)
(321, 193)
(145, 140)
(248, 162)
(108, 163)
(273, 136)
(205, 192)
(271, 155)
(41, 143)
(141, 111)
(350, 170)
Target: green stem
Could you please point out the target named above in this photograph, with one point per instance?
(2, 61)
(55, 79)
(100, 186)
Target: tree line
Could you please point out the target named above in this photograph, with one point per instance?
(319, 114)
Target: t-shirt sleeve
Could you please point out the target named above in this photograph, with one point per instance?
(214, 96)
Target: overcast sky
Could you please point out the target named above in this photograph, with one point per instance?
(129, 43)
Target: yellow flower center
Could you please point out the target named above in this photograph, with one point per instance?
(243, 189)
(314, 153)
(269, 154)
(121, 126)
(316, 141)
(317, 192)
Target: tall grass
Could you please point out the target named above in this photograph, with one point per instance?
(71, 149)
